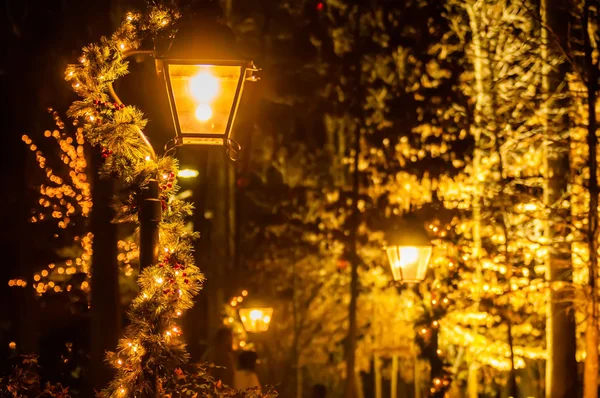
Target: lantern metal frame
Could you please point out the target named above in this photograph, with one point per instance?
(222, 139)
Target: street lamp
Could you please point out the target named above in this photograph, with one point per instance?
(408, 250)
(205, 78)
(204, 96)
(256, 317)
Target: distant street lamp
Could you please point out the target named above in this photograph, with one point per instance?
(409, 251)
(256, 317)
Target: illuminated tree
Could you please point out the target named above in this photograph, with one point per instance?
(65, 198)
(407, 129)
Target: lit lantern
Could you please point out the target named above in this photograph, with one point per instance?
(205, 80)
(409, 251)
(256, 319)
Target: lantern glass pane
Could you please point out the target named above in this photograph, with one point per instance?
(256, 320)
(204, 99)
(409, 263)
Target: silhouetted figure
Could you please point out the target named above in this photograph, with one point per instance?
(245, 375)
(319, 391)
(221, 354)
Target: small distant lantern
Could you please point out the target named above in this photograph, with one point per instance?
(409, 251)
(256, 319)
(205, 79)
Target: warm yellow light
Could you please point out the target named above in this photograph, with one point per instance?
(256, 319)
(204, 98)
(255, 315)
(203, 112)
(204, 87)
(12, 345)
(188, 173)
(409, 263)
(408, 255)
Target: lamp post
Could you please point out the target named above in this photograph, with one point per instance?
(204, 85)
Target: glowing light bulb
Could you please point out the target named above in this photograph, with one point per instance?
(159, 280)
(203, 112)
(255, 315)
(408, 255)
(204, 87)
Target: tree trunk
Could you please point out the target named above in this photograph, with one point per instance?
(482, 101)
(105, 302)
(218, 205)
(352, 332)
(561, 365)
(590, 373)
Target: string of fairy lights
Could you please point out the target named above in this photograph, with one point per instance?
(66, 195)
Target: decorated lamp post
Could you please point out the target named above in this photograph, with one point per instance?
(204, 84)
(409, 251)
